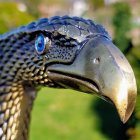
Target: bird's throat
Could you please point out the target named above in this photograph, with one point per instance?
(15, 109)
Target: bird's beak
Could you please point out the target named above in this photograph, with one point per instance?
(100, 68)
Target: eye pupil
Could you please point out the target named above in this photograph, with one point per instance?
(40, 44)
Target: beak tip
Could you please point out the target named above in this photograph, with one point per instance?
(125, 114)
(125, 119)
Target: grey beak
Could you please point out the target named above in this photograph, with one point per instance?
(100, 68)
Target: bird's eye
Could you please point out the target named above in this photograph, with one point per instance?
(42, 44)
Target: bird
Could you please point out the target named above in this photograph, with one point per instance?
(60, 52)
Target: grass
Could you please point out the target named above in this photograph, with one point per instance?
(64, 115)
(11, 17)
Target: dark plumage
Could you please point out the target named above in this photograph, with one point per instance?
(64, 52)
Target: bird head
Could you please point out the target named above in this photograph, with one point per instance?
(79, 54)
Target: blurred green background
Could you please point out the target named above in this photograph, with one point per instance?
(67, 114)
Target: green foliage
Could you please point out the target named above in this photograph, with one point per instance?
(122, 24)
(134, 58)
(64, 115)
(11, 17)
(97, 3)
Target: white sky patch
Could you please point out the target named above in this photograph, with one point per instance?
(79, 7)
(22, 7)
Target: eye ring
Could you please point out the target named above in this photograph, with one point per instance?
(42, 44)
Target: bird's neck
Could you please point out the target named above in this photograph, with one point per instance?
(15, 109)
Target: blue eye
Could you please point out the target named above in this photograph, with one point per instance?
(41, 44)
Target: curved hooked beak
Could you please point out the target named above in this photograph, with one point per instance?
(100, 68)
